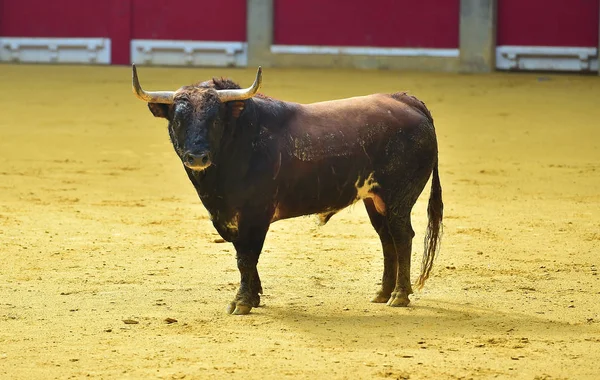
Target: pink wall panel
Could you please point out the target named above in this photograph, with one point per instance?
(124, 20)
(382, 23)
(64, 18)
(548, 22)
(201, 20)
(120, 31)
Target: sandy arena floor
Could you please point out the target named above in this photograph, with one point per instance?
(99, 224)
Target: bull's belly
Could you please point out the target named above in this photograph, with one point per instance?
(328, 200)
(323, 211)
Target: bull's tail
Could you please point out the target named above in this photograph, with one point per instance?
(435, 212)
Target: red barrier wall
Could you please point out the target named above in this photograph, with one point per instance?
(64, 18)
(120, 18)
(382, 23)
(124, 20)
(223, 20)
(548, 23)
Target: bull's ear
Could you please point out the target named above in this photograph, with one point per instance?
(236, 108)
(159, 110)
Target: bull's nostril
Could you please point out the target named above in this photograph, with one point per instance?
(189, 158)
(204, 159)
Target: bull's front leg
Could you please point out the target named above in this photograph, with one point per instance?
(248, 247)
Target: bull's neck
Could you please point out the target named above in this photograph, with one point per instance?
(271, 114)
(248, 154)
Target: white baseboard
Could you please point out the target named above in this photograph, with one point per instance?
(364, 50)
(189, 53)
(55, 50)
(547, 58)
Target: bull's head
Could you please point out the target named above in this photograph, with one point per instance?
(195, 117)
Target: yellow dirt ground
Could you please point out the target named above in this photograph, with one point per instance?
(99, 224)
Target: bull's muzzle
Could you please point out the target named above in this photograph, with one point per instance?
(197, 161)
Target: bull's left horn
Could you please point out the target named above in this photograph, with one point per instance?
(164, 97)
(243, 94)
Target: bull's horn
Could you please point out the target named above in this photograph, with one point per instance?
(164, 97)
(243, 94)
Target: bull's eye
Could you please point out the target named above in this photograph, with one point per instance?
(177, 121)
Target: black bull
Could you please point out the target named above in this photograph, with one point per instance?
(255, 160)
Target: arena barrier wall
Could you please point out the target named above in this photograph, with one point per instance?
(436, 35)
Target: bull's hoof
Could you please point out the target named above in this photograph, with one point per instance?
(380, 297)
(236, 309)
(398, 299)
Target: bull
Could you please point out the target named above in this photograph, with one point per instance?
(254, 160)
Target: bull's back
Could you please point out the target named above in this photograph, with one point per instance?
(363, 112)
(350, 126)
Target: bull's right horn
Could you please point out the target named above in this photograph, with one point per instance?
(164, 97)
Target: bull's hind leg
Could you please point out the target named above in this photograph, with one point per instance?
(390, 259)
(402, 234)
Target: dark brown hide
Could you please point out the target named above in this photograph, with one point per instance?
(274, 160)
